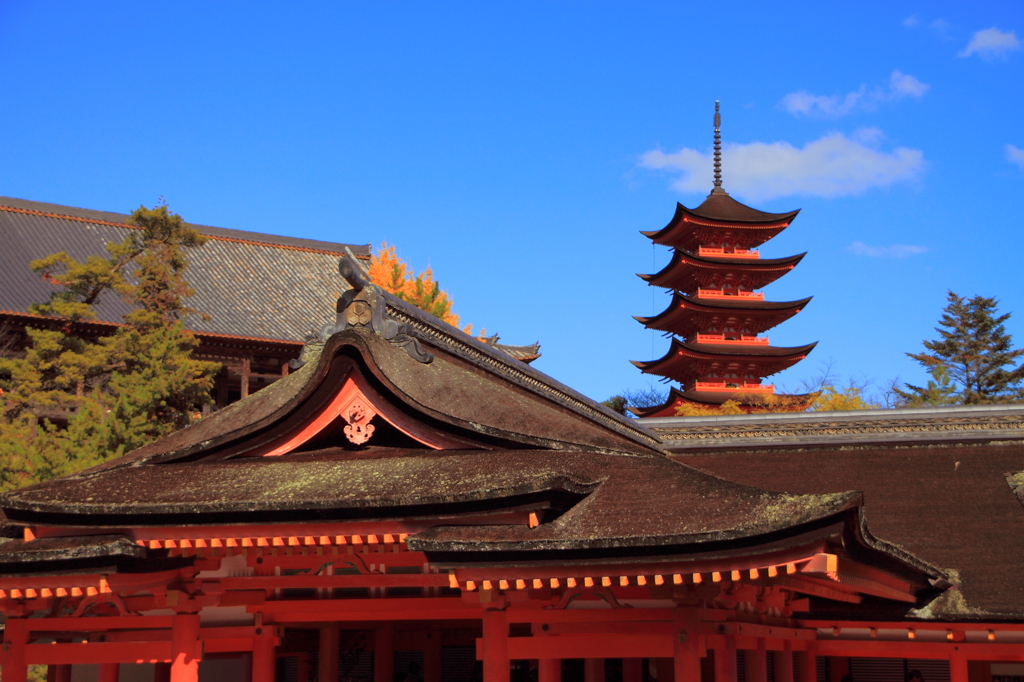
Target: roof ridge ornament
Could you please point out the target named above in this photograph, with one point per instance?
(718, 152)
(365, 305)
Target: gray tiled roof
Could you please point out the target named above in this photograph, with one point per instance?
(250, 284)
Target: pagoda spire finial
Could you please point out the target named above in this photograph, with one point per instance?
(718, 151)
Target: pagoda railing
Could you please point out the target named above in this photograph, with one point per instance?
(735, 253)
(743, 340)
(721, 293)
(733, 386)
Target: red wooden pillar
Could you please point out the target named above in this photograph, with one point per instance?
(958, 667)
(384, 654)
(685, 647)
(496, 668)
(593, 670)
(330, 652)
(632, 670)
(109, 672)
(12, 658)
(808, 663)
(264, 659)
(725, 661)
(184, 648)
(431, 658)
(756, 663)
(784, 663)
(550, 670)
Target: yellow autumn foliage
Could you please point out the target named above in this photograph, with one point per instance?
(695, 410)
(392, 274)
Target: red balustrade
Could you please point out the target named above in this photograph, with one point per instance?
(735, 253)
(743, 340)
(721, 293)
(733, 386)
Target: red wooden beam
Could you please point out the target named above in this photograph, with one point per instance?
(755, 630)
(100, 624)
(311, 581)
(721, 643)
(653, 628)
(537, 615)
(98, 652)
(589, 646)
(327, 616)
(802, 553)
(396, 605)
(909, 649)
(903, 625)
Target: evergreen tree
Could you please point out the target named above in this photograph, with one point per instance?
(120, 391)
(974, 353)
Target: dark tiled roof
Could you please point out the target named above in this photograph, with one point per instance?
(683, 360)
(713, 350)
(720, 213)
(724, 207)
(684, 313)
(914, 426)
(950, 505)
(681, 271)
(250, 284)
(751, 351)
(620, 495)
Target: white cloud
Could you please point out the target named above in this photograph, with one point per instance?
(894, 251)
(833, 106)
(905, 85)
(938, 26)
(869, 136)
(941, 27)
(1015, 155)
(991, 43)
(834, 165)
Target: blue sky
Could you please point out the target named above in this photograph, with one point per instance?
(518, 149)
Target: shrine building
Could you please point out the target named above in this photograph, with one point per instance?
(412, 503)
(716, 318)
(263, 294)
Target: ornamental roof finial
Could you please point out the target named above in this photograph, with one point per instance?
(718, 152)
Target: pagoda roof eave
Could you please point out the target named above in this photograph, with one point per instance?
(743, 216)
(696, 304)
(786, 356)
(722, 206)
(682, 258)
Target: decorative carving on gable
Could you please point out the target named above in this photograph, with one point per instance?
(357, 405)
(358, 416)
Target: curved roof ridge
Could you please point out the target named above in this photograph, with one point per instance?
(112, 219)
(679, 298)
(722, 350)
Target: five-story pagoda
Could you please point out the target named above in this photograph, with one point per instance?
(716, 317)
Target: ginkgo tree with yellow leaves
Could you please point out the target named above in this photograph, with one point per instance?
(394, 275)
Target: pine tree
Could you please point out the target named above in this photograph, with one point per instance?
(117, 392)
(974, 352)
